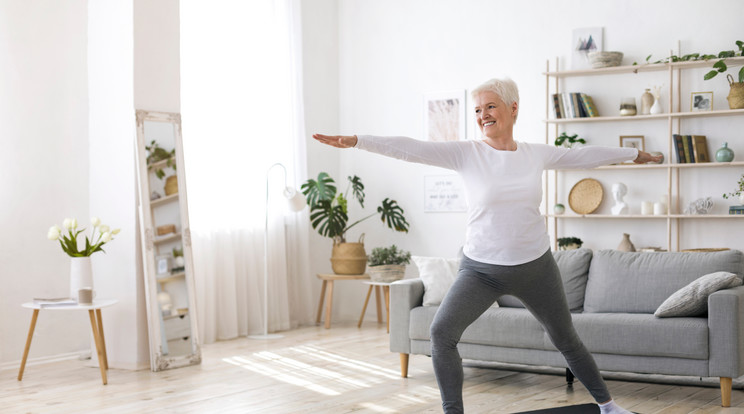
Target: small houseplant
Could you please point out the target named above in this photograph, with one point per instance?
(329, 216)
(569, 243)
(739, 191)
(568, 141)
(387, 264)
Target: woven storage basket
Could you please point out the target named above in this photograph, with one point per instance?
(736, 94)
(585, 196)
(349, 258)
(386, 273)
(171, 185)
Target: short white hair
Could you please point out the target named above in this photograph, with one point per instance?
(505, 88)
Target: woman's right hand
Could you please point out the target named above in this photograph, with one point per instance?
(338, 141)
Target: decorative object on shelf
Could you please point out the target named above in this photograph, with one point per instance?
(659, 209)
(657, 154)
(179, 263)
(701, 101)
(171, 185)
(569, 141)
(165, 229)
(81, 273)
(328, 213)
(163, 264)
(735, 97)
(619, 190)
(647, 208)
(739, 190)
(387, 264)
(166, 303)
(725, 154)
(647, 100)
(569, 243)
(736, 210)
(633, 141)
(156, 154)
(559, 209)
(628, 107)
(155, 195)
(605, 59)
(625, 244)
(585, 196)
(656, 107)
(700, 206)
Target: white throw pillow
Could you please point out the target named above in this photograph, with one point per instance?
(692, 300)
(438, 274)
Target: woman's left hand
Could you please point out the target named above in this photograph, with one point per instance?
(644, 157)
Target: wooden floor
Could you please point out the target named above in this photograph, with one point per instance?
(314, 370)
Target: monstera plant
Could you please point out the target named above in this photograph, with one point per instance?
(329, 208)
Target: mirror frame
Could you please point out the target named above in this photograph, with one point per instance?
(159, 361)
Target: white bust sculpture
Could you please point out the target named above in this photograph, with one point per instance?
(618, 192)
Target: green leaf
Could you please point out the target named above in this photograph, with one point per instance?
(648, 58)
(323, 189)
(327, 219)
(392, 215)
(710, 75)
(726, 53)
(721, 66)
(741, 75)
(357, 189)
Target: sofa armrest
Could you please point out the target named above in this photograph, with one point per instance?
(405, 295)
(726, 332)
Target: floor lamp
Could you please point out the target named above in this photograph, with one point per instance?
(296, 202)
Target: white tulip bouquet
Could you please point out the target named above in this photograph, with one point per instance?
(101, 234)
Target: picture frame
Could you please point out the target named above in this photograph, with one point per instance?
(701, 101)
(444, 116)
(444, 194)
(583, 41)
(633, 141)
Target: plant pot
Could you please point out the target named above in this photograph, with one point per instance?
(349, 258)
(572, 246)
(736, 94)
(386, 273)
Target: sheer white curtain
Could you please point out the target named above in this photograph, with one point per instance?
(241, 105)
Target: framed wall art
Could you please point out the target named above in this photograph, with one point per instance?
(444, 116)
(701, 101)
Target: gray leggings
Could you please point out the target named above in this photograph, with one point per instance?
(538, 285)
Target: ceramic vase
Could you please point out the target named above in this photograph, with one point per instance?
(81, 275)
(656, 107)
(647, 101)
(626, 245)
(725, 154)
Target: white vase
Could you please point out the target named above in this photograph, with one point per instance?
(81, 275)
(656, 107)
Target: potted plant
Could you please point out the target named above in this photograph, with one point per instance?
(387, 264)
(568, 141)
(739, 191)
(569, 243)
(329, 216)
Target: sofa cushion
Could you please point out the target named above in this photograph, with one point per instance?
(639, 282)
(692, 300)
(438, 274)
(574, 268)
(643, 335)
(507, 327)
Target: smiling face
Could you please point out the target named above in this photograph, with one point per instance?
(495, 118)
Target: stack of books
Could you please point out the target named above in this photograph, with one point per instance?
(691, 148)
(736, 210)
(574, 105)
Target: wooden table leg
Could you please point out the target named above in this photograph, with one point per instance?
(329, 305)
(364, 308)
(379, 308)
(386, 290)
(320, 305)
(99, 350)
(31, 328)
(103, 339)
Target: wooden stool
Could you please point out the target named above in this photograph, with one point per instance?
(328, 280)
(386, 291)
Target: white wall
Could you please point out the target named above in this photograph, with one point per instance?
(44, 135)
(392, 52)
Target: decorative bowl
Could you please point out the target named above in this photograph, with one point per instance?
(605, 59)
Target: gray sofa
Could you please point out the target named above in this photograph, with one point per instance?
(613, 296)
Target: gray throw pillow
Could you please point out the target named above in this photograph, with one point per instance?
(692, 300)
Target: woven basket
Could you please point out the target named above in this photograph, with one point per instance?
(585, 196)
(171, 185)
(349, 258)
(736, 94)
(386, 273)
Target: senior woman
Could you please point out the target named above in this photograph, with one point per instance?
(507, 248)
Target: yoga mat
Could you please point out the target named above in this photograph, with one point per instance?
(571, 409)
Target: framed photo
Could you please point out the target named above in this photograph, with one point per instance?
(444, 116)
(583, 41)
(701, 101)
(444, 193)
(162, 263)
(632, 141)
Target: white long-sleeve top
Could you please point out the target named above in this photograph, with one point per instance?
(503, 188)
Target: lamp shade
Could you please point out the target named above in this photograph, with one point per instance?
(295, 199)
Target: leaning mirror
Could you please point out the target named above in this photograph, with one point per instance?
(166, 242)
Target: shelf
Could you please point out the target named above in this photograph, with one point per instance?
(170, 278)
(161, 164)
(168, 238)
(163, 200)
(644, 216)
(652, 67)
(662, 166)
(722, 112)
